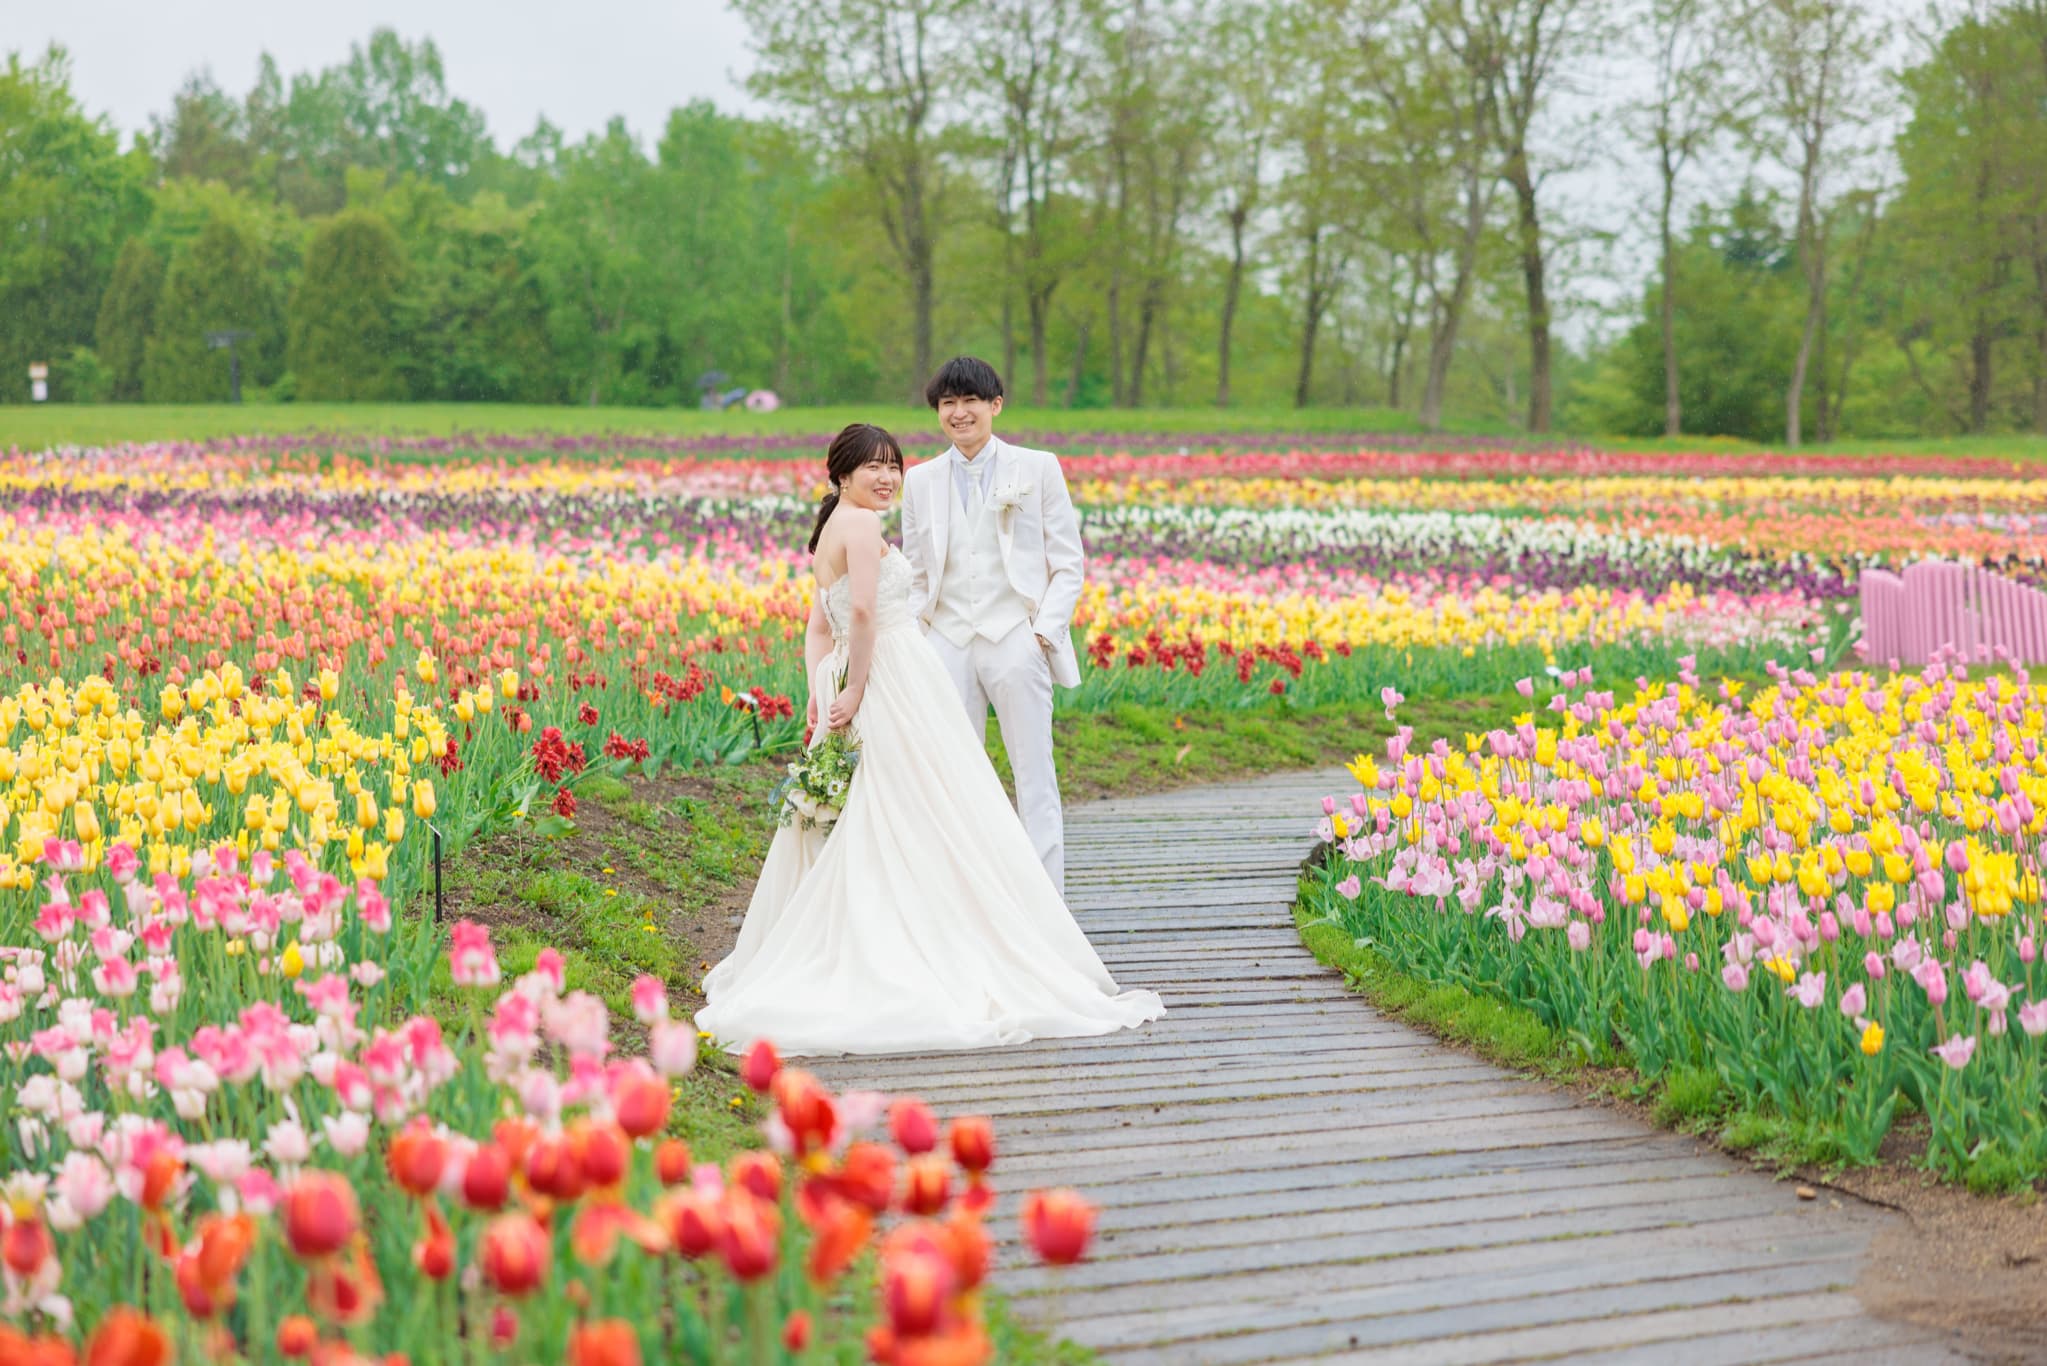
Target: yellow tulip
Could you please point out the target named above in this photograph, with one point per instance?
(423, 798)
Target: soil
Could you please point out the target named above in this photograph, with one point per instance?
(709, 929)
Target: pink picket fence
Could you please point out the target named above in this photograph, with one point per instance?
(1934, 605)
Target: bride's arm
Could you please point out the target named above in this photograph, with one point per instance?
(817, 644)
(863, 570)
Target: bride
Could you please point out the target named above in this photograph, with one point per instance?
(922, 920)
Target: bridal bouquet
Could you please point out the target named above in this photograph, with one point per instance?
(818, 781)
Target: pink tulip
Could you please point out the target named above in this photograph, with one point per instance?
(1736, 976)
(2033, 1018)
(1854, 1001)
(1957, 1051)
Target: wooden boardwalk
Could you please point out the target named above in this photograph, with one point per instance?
(1284, 1174)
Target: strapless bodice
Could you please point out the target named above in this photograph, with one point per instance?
(891, 597)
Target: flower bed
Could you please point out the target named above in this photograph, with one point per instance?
(229, 1131)
(1826, 894)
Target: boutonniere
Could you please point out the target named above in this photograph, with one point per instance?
(1009, 497)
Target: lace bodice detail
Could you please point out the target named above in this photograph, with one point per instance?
(891, 597)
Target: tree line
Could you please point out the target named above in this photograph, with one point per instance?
(1782, 219)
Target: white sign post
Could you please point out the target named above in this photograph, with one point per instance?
(39, 382)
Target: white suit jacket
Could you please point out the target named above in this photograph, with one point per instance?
(1035, 525)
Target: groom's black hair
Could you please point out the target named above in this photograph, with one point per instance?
(964, 377)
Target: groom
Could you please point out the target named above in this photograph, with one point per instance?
(990, 532)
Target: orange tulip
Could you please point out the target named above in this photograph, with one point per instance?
(806, 1110)
(514, 1254)
(973, 1144)
(928, 1186)
(838, 1234)
(127, 1337)
(1058, 1224)
(602, 1152)
(320, 1214)
(159, 1178)
(748, 1239)
(608, 1342)
(963, 1343)
(971, 1248)
(671, 1161)
(866, 1176)
(206, 1274)
(297, 1337)
(416, 1158)
(639, 1101)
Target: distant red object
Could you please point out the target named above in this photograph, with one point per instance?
(1936, 606)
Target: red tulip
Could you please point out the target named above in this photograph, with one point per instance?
(514, 1254)
(345, 1289)
(602, 1152)
(434, 1253)
(693, 1221)
(973, 1144)
(320, 1214)
(759, 1172)
(552, 1170)
(1058, 1224)
(608, 1342)
(913, 1126)
(929, 1185)
(127, 1337)
(416, 1158)
(914, 1288)
(26, 1245)
(639, 1101)
(487, 1180)
(671, 1161)
(748, 1239)
(796, 1331)
(760, 1066)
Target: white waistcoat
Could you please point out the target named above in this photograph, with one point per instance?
(975, 597)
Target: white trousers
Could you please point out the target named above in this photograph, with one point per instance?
(1015, 675)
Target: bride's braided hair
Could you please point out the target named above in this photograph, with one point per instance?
(853, 447)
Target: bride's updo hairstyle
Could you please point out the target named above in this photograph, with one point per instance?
(853, 447)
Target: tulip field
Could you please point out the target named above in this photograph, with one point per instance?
(255, 1103)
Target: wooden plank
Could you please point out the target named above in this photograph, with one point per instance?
(1148, 1326)
(1762, 1318)
(1606, 1304)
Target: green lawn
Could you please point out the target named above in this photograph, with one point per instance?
(40, 427)
(65, 424)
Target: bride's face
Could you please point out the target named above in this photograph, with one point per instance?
(875, 484)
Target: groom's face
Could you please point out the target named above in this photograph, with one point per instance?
(967, 421)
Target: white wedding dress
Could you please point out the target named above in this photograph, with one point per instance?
(923, 920)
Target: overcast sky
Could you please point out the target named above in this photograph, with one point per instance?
(577, 63)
